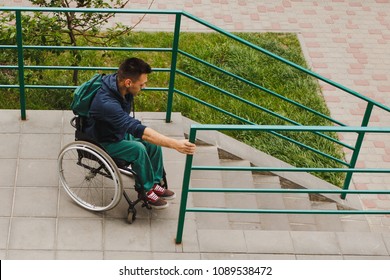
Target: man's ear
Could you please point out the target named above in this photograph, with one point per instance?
(127, 83)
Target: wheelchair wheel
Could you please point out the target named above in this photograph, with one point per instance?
(131, 215)
(90, 176)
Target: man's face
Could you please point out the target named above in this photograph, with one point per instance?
(134, 87)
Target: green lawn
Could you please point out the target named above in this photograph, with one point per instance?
(222, 52)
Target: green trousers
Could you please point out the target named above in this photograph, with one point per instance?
(145, 158)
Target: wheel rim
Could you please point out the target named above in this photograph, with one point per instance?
(94, 184)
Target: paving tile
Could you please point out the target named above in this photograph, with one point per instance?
(175, 256)
(190, 240)
(248, 225)
(10, 121)
(352, 225)
(9, 147)
(31, 254)
(271, 257)
(32, 233)
(274, 222)
(69, 208)
(36, 202)
(302, 227)
(3, 254)
(171, 213)
(162, 235)
(386, 239)
(319, 257)
(6, 201)
(37, 172)
(315, 243)
(274, 242)
(362, 243)
(175, 172)
(327, 222)
(66, 139)
(4, 229)
(42, 121)
(365, 257)
(67, 127)
(120, 211)
(7, 172)
(224, 256)
(127, 255)
(79, 255)
(209, 199)
(211, 241)
(40, 146)
(80, 234)
(120, 236)
(215, 221)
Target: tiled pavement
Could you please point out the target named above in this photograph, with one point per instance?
(344, 40)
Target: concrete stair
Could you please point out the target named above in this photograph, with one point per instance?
(209, 155)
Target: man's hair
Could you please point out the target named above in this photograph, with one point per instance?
(133, 68)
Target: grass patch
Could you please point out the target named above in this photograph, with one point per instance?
(226, 54)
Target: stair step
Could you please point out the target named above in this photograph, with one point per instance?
(157, 122)
(208, 156)
(271, 201)
(327, 222)
(268, 181)
(240, 179)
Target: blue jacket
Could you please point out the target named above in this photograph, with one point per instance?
(110, 118)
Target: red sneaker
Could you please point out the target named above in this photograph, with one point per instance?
(155, 201)
(163, 192)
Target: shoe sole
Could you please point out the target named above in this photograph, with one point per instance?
(168, 197)
(159, 207)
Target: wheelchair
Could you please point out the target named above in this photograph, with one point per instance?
(92, 178)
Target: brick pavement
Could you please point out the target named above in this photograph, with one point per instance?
(344, 40)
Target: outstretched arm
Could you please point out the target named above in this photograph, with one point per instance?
(182, 146)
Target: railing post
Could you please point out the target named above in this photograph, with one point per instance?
(358, 146)
(172, 75)
(19, 41)
(184, 191)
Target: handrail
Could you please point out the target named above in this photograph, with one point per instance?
(292, 64)
(186, 189)
(261, 88)
(271, 132)
(260, 108)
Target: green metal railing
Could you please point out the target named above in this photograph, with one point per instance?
(177, 53)
(20, 47)
(189, 167)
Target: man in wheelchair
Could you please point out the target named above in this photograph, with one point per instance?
(126, 138)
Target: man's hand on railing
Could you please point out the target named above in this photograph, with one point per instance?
(185, 147)
(182, 146)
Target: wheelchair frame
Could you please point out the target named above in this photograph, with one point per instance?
(84, 167)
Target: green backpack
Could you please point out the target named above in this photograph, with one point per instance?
(84, 94)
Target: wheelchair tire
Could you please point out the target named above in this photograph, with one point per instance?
(90, 176)
(131, 215)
